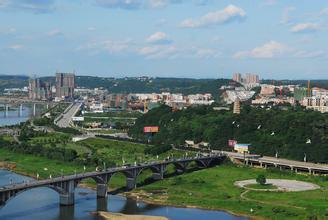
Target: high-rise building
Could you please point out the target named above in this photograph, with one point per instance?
(39, 90)
(65, 84)
(252, 78)
(237, 77)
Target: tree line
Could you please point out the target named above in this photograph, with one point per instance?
(291, 133)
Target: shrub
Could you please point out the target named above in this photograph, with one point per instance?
(261, 179)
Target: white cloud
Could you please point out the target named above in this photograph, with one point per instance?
(109, 46)
(54, 33)
(159, 51)
(206, 53)
(8, 31)
(269, 50)
(124, 4)
(324, 11)
(304, 28)
(309, 54)
(91, 28)
(43, 6)
(270, 2)
(158, 3)
(229, 13)
(4, 3)
(16, 47)
(285, 18)
(171, 52)
(135, 4)
(159, 38)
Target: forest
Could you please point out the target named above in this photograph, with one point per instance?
(292, 133)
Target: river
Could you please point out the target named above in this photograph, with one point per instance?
(13, 117)
(42, 203)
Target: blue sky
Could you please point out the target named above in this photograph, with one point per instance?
(167, 38)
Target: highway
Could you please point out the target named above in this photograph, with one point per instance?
(65, 119)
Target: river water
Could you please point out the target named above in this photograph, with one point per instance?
(42, 204)
(13, 117)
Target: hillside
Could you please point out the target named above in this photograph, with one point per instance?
(16, 81)
(285, 132)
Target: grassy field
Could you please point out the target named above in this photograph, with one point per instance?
(214, 189)
(111, 150)
(31, 165)
(117, 151)
(211, 188)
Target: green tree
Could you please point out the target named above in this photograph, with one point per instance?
(260, 179)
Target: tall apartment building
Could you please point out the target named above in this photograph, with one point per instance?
(249, 78)
(39, 90)
(237, 77)
(65, 84)
(252, 78)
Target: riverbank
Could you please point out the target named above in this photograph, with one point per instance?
(213, 189)
(119, 216)
(210, 189)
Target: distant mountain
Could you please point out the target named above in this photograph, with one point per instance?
(148, 84)
(13, 81)
(13, 77)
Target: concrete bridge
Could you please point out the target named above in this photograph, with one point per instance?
(65, 185)
(281, 163)
(18, 107)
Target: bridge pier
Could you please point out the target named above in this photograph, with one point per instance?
(131, 183)
(102, 204)
(101, 190)
(158, 176)
(67, 197)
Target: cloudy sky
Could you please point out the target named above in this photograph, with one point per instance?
(173, 38)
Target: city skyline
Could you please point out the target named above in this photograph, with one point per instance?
(164, 38)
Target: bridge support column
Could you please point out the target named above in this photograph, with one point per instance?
(131, 183)
(158, 176)
(6, 110)
(34, 110)
(67, 198)
(20, 111)
(102, 204)
(101, 190)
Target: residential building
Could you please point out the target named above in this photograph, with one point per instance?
(39, 90)
(65, 84)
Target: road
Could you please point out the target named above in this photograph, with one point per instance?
(272, 161)
(65, 119)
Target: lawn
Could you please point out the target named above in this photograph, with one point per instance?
(214, 189)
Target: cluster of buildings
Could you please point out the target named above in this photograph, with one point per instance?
(45, 91)
(250, 80)
(144, 101)
(273, 94)
(317, 99)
